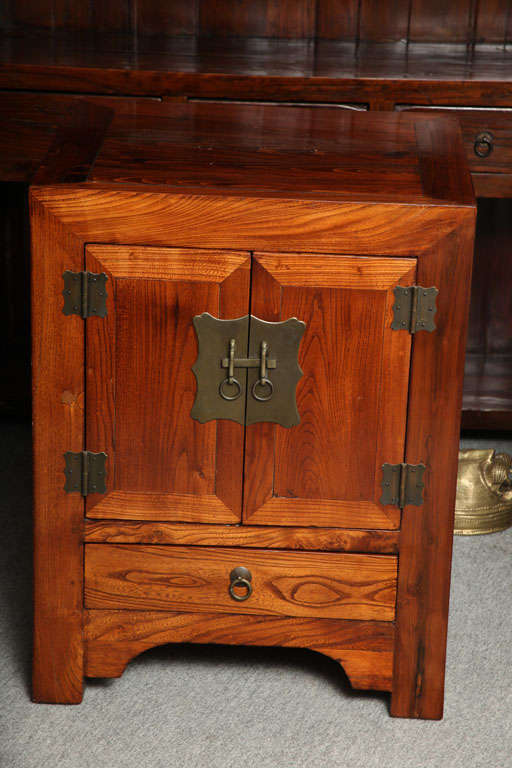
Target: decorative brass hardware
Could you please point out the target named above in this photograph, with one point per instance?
(240, 578)
(402, 484)
(231, 363)
(414, 308)
(265, 388)
(85, 294)
(484, 492)
(85, 472)
(484, 144)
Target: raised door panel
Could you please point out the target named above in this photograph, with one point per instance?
(352, 398)
(162, 464)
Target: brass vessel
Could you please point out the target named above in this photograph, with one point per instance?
(484, 492)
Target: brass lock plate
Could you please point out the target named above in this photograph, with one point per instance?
(247, 369)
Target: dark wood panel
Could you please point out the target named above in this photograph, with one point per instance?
(490, 323)
(309, 584)
(363, 648)
(438, 20)
(265, 18)
(491, 21)
(337, 19)
(260, 68)
(159, 18)
(382, 22)
(487, 400)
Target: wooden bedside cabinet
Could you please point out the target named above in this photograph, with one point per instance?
(249, 328)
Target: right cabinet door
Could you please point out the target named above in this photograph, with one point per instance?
(352, 398)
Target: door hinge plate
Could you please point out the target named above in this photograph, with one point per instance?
(402, 484)
(414, 308)
(85, 472)
(85, 294)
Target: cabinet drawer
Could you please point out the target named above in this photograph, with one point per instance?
(487, 135)
(311, 584)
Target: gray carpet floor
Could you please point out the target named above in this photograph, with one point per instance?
(220, 707)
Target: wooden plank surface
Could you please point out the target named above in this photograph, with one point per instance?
(58, 426)
(327, 469)
(310, 584)
(363, 648)
(432, 438)
(162, 464)
(272, 537)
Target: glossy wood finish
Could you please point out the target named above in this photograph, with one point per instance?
(379, 74)
(408, 20)
(162, 465)
(310, 584)
(474, 122)
(429, 217)
(327, 470)
(269, 537)
(433, 425)
(57, 391)
(488, 378)
(363, 648)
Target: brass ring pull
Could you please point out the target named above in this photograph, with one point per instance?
(264, 382)
(230, 383)
(230, 380)
(240, 578)
(483, 145)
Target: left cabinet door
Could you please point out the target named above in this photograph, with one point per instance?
(140, 388)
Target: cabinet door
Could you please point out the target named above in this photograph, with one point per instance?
(162, 464)
(352, 398)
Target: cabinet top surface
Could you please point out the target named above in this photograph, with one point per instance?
(286, 152)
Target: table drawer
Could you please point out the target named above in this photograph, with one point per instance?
(487, 135)
(311, 584)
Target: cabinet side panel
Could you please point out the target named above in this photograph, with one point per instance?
(57, 364)
(433, 438)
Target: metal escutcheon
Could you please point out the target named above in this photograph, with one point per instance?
(240, 578)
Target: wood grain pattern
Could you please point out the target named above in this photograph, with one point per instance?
(473, 122)
(327, 469)
(434, 226)
(432, 437)
(435, 20)
(310, 584)
(57, 389)
(363, 648)
(271, 537)
(307, 19)
(261, 18)
(162, 465)
(262, 223)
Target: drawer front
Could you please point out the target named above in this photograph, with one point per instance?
(487, 135)
(310, 584)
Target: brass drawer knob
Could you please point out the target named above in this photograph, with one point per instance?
(483, 145)
(240, 578)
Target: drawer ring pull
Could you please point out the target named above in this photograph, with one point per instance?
(483, 145)
(240, 578)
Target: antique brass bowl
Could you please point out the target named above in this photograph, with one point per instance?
(484, 492)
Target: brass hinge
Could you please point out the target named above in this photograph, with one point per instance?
(85, 472)
(402, 484)
(414, 308)
(85, 294)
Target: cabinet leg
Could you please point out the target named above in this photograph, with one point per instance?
(57, 672)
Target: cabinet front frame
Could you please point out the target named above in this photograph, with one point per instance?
(67, 217)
